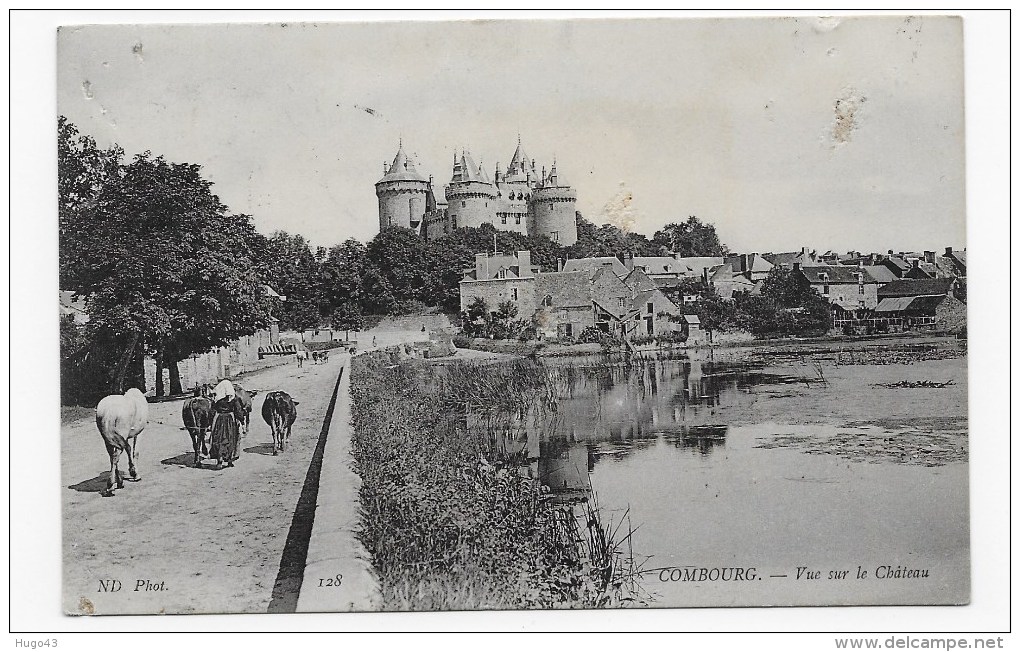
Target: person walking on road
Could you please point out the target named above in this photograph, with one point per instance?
(228, 413)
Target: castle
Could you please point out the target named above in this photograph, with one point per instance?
(519, 199)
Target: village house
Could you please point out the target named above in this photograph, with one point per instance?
(937, 303)
(805, 257)
(851, 291)
(654, 314)
(497, 278)
(956, 261)
(564, 304)
(753, 267)
(592, 265)
(585, 293)
(611, 298)
(726, 282)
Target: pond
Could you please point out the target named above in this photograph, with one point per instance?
(752, 483)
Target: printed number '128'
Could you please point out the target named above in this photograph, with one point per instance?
(331, 581)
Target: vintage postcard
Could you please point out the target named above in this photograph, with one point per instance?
(513, 314)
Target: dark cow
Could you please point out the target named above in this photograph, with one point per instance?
(320, 356)
(198, 418)
(245, 396)
(280, 412)
(120, 417)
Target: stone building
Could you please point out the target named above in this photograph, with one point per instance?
(565, 307)
(520, 198)
(500, 277)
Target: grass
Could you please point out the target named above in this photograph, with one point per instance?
(72, 413)
(450, 516)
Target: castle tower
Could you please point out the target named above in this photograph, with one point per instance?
(402, 193)
(552, 209)
(514, 191)
(470, 197)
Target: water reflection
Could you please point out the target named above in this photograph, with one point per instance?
(602, 412)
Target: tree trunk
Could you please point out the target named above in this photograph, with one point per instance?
(122, 364)
(160, 362)
(175, 378)
(172, 357)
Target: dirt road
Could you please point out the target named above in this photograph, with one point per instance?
(185, 539)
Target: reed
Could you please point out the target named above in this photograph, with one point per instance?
(450, 516)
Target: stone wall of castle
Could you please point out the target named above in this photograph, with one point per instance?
(470, 203)
(401, 203)
(553, 214)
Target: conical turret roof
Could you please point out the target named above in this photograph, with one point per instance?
(402, 168)
(470, 171)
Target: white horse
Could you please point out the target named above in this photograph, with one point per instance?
(120, 417)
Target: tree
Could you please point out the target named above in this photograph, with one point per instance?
(341, 286)
(83, 169)
(164, 265)
(294, 273)
(476, 318)
(787, 305)
(502, 323)
(690, 238)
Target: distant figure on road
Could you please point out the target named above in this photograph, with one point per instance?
(373, 340)
(423, 328)
(301, 357)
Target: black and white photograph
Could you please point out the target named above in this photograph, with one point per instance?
(439, 315)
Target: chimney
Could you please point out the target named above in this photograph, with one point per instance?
(796, 267)
(890, 252)
(524, 262)
(949, 250)
(482, 265)
(628, 260)
(929, 256)
(559, 264)
(917, 263)
(743, 263)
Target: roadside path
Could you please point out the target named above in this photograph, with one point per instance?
(338, 574)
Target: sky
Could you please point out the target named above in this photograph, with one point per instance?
(839, 133)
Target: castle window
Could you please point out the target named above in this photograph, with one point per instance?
(623, 302)
(503, 218)
(463, 204)
(513, 294)
(555, 236)
(501, 273)
(547, 301)
(518, 219)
